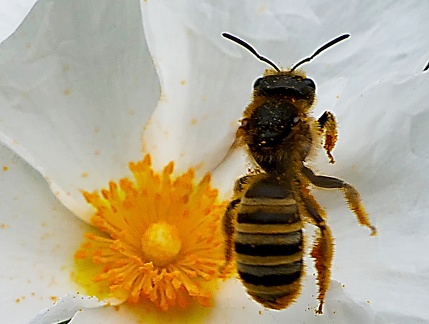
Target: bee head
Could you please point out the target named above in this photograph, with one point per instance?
(287, 84)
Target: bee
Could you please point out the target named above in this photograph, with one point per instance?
(263, 223)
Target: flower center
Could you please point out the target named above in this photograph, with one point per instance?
(159, 239)
(161, 243)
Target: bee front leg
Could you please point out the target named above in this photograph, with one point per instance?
(322, 251)
(328, 125)
(351, 194)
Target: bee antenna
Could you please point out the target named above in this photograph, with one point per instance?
(321, 49)
(250, 49)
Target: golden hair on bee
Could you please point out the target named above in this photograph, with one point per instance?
(263, 223)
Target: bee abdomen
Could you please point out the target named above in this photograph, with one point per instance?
(269, 245)
(271, 272)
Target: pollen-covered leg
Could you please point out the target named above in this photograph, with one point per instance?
(322, 252)
(328, 125)
(229, 219)
(351, 194)
(228, 230)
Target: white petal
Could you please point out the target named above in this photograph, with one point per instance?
(77, 85)
(11, 15)
(38, 237)
(66, 308)
(387, 160)
(199, 110)
(235, 306)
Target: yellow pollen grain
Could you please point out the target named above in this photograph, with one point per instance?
(157, 239)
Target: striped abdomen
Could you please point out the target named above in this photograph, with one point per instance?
(269, 244)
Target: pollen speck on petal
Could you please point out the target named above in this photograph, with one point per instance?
(161, 238)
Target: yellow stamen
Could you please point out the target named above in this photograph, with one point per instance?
(162, 239)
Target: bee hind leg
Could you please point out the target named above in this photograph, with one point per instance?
(351, 194)
(322, 251)
(228, 230)
(228, 220)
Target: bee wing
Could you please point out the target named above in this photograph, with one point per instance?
(238, 142)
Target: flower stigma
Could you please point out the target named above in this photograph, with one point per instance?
(159, 238)
(161, 243)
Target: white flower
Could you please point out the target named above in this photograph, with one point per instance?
(77, 86)
(12, 14)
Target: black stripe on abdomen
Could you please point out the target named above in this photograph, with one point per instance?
(270, 276)
(256, 245)
(263, 217)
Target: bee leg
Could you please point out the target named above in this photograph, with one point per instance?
(351, 194)
(228, 230)
(229, 219)
(328, 125)
(322, 251)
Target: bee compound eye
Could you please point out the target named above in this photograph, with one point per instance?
(257, 83)
(310, 83)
